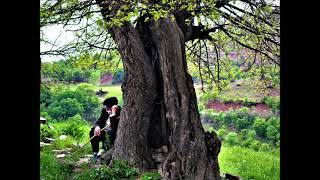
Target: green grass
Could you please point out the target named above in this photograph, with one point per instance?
(50, 168)
(113, 90)
(249, 164)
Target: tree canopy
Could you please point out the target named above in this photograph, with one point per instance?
(216, 31)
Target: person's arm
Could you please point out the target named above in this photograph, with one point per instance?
(102, 119)
(114, 120)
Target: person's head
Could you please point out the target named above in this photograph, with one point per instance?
(109, 102)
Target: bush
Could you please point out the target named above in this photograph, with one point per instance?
(278, 144)
(119, 170)
(230, 118)
(209, 95)
(248, 142)
(74, 127)
(232, 138)
(45, 95)
(260, 126)
(151, 176)
(46, 131)
(221, 133)
(68, 101)
(61, 110)
(255, 145)
(242, 123)
(265, 147)
(201, 106)
(273, 102)
(50, 167)
(66, 143)
(273, 134)
(94, 77)
(247, 134)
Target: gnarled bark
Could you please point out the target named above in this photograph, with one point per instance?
(160, 125)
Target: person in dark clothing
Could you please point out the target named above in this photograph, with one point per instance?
(110, 115)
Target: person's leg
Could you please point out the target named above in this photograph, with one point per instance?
(94, 142)
(113, 138)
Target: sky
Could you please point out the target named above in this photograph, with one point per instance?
(56, 32)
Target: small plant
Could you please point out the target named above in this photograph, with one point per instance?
(221, 133)
(232, 138)
(46, 131)
(265, 147)
(74, 127)
(272, 102)
(255, 145)
(151, 176)
(260, 126)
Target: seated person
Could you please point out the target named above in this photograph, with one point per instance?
(109, 117)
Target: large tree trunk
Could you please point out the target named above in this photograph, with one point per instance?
(160, 125)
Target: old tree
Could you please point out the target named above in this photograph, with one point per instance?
(154, 39)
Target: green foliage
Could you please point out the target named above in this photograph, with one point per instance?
(46, 131)
(117, 171)
(232, 138)
(151, 176)
(65, 108)
(265, 147)
(255, 145)
(208, 95)
(51, 169)
(75, 127)
(221, 133)
(273, 102)
(273, 134)
(67, 101)
(114, 90)
(260, 126)
(249, 164)
(65, 143)
(94, 77)
(45, 95)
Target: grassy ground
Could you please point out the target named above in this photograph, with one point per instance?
(249, 164)
(113, 90)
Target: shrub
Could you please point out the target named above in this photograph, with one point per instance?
(273, 102)
(201, 106)
(260, 126)
(119, 170)
(75, 128)
(45, 95)
(61, 110)
(151, 176)
(232, 138)
(255, 145)
(46, 131)
(68, 101)
(208, 95)
(278, 144)
(265, 147)
(50, 168)
(94, 77)
(230, 118)
(272, 134)
(242, 123)
(247, 142)
(221, 133)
